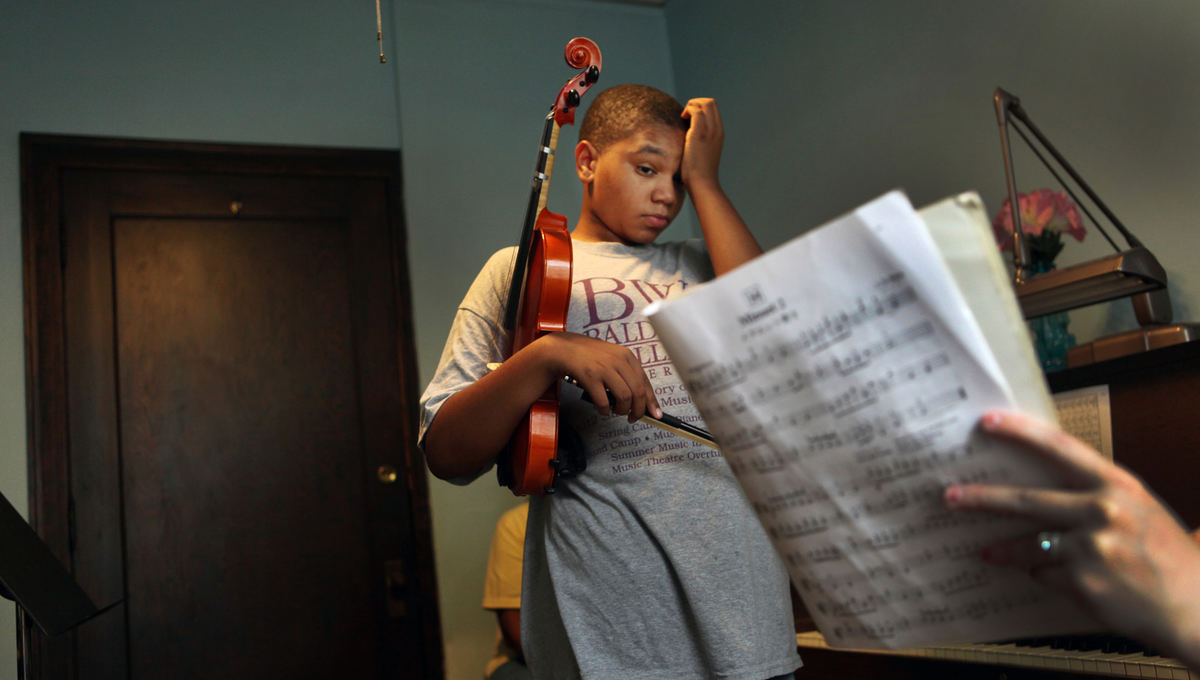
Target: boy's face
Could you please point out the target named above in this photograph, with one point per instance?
(635, 190)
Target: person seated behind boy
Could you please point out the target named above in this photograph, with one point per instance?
(502, 594)
(650, 563)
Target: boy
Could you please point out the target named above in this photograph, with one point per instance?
(650, 563)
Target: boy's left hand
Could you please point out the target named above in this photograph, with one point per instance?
(702, 145)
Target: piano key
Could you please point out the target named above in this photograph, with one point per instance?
(1125, 663)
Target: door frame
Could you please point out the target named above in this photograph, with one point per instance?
(44, 157)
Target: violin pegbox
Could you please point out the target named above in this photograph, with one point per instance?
(581, 53)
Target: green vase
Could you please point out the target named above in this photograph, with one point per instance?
(1051, 339)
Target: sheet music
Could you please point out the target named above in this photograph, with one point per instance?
(1086, 414)
(843, 375)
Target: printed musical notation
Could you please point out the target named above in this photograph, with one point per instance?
(845, 398)
(1086, 414)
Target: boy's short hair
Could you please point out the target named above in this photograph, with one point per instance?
(620, 110)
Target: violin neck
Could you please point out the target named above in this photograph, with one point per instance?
(539, 191)
(546, 162)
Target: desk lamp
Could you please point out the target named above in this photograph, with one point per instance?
(1133, 273)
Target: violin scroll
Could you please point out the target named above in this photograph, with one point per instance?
(581, 53)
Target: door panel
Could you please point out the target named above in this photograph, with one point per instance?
(238, 366)
(242, 464)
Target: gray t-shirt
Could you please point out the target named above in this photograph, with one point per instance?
(651, 563)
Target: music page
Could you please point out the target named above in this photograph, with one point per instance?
(843, 375)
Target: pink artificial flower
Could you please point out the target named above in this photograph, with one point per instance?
(1041, 210)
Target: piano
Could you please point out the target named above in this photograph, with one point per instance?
(1011, 661)
(1155, 403)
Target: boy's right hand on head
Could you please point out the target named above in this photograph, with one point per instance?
(610, 374)
(703, 142)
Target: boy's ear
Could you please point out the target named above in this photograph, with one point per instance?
(585, 160)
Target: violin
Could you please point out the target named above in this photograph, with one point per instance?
(540, 293)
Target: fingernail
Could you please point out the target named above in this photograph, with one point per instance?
(953, 495)
(658, 413)
(991, 419)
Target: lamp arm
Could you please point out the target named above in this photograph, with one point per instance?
(1008, 104)
(1003, 101)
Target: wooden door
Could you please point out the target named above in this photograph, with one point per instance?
(222, 396)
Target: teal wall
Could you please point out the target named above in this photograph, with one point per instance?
(826, 104)
(833, 103)
(296, 72)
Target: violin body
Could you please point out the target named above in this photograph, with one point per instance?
(540, 294)
(547, 298)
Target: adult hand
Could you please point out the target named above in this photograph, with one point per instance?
(1108, 541)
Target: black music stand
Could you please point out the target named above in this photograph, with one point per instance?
(31, 576)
